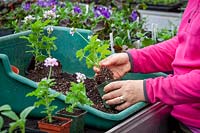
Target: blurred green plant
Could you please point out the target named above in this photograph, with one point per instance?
(18, 122)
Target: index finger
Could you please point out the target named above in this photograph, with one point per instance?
(113, 86)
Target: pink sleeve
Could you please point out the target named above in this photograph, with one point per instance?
(178, 89)
(157, 57)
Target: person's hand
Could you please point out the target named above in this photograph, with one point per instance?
(124, 93)
(118, 63)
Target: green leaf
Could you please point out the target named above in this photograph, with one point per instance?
(10, 114)
(5, 107)
(69, 109)
(41, 58)
(118, 41)
(26, 111)
(147, 42)
(80, 54)
(76, 95)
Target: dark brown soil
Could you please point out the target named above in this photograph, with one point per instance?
(63, 80)
(104, 75)
(55, 121)
(76, 112)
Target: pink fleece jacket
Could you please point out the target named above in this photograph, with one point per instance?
(182, 55)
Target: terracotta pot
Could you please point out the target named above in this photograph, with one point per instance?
(55, 128)
(15, 69)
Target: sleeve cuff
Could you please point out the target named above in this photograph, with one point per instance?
(131, 61)
(145, 91)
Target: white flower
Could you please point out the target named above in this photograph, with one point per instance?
(89, 37)
(49, 14)
(80, 77)
(98, 40)
(72, 31)
(50, 29)
(124, 47)
(28, 18)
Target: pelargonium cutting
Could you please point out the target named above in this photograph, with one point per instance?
(44, 96)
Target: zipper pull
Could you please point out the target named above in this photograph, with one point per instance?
(189, 20)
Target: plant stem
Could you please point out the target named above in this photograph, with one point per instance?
(95, 63)
(23, 129)
(49, 76)
(49, 116)
(82, 36)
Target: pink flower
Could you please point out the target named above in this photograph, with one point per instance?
(50, 62)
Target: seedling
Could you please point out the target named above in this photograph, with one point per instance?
(19, 122)
(44, 96)
(77, 94)
(40, 44)
(94, 51)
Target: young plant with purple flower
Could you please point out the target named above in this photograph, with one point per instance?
(43, 94)
(76, 17)
(103, 21)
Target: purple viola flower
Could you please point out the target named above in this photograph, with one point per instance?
(134, 15)
(52, 2)
(105, 12)
(26, 6)
(46, 3)
(102, 11)
(97, 12)
(77, 9)
(41, 3)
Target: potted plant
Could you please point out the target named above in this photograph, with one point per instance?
(45, 98)
(74, 97)
(40, 44)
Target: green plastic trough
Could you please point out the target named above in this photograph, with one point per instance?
(14, 87)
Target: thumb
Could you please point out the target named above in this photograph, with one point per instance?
(108, 61)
